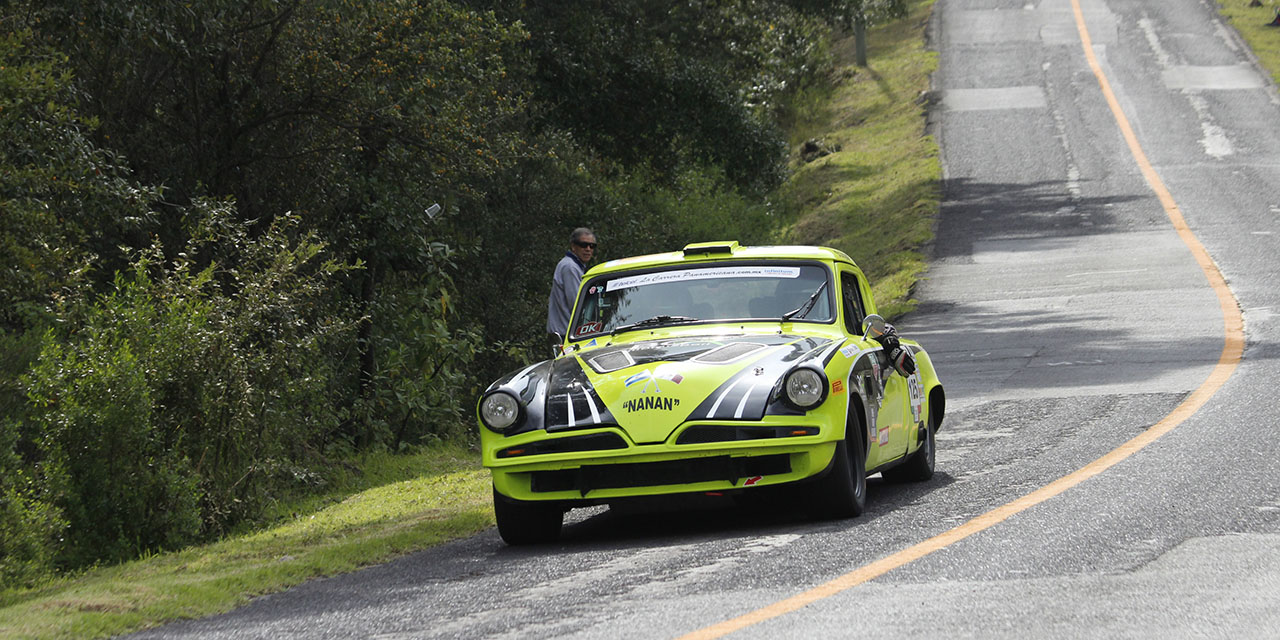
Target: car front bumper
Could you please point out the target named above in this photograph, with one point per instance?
(540, 470)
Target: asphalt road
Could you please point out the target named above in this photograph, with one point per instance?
(1065, 315)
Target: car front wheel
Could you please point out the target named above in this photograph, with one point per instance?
(842, 493)
(521, 522)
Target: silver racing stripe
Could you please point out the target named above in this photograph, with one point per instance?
(742, 405)
(595, 413)
(522, 374)
(711, 413)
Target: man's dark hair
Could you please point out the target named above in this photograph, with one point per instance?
(579, 233)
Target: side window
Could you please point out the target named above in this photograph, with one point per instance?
(851, 300)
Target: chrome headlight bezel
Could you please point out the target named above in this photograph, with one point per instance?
(804, 388)
(500, 410)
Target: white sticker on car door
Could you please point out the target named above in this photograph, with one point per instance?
(916, 392)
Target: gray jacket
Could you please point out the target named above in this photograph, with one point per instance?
(564, 289)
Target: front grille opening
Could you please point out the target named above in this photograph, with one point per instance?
(652, 474)
(591, 442)
(725, 433)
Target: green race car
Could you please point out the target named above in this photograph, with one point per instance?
(717, 369)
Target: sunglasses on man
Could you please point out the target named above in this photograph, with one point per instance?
(585, 245)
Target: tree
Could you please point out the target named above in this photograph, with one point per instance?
(856, 15)
(357, 116)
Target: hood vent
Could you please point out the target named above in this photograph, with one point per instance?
(612, 361)
(728, 353)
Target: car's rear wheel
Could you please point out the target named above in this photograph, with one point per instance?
(919, 467)
(521, 522)
(842, 493)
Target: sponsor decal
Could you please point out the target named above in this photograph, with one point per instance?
(702, 274)
(590, 327)
(884, 436)
(917, 396)
(592, 343)
(752, 480)
(651, 380)
(645, 403)
(837, 386)
(849, 351)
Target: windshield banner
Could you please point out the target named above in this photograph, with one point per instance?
(702, 274)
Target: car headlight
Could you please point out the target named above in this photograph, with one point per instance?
(805, 388)
(499, 410)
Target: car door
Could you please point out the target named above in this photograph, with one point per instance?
(888, 439)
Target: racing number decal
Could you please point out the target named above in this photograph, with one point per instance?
(917, 396)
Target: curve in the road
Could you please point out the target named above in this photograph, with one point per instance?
(1229, 359)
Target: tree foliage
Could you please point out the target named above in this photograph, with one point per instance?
(220, 264)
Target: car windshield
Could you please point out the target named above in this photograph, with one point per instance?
(707, 293)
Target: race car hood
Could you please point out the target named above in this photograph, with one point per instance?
(650, 387)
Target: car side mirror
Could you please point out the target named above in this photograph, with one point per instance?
(872, 327)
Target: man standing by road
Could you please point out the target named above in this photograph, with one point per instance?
(564, 284)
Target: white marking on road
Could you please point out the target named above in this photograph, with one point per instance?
(628, 565)
(723, 564)
(1214, 140)
(1213, 77)
(1261, 233)
(1102, 273)
(1148, 28)
(1030, 97)
(1258, 314)
(1073, 362)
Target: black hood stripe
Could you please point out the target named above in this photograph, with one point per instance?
(572, 403)
(746, 395)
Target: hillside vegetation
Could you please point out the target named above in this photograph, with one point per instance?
(1255, 25)
(227, 302)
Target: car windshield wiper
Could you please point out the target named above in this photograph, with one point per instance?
(807, 306)
(653, 322)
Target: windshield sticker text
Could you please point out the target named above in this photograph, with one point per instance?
(701, 274)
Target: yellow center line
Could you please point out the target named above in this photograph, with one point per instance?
(1232, 351)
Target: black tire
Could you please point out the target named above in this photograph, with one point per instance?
(521, 522)
(842, 492)
(919, 467)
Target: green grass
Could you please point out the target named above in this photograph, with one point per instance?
(877, 195)
(1250, 22)
(875, 198)
(424, 499)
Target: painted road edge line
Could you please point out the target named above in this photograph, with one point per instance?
(1228, 361)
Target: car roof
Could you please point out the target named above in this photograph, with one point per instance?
(702, 252)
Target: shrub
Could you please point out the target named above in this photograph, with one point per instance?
(179, 404)
(126, 490)
(30, 523)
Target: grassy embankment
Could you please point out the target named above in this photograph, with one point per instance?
(399, 504)
(876, 195)
(874, 198)
(1251, 23)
